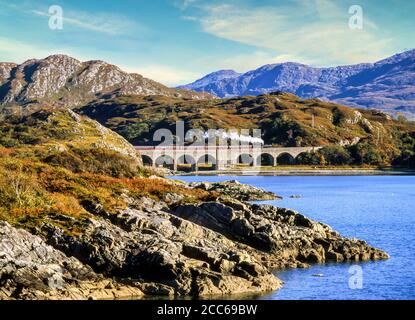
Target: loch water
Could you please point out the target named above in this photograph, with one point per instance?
(377, 209)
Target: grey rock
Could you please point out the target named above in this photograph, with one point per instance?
(31, 269)
(163, 253)
(155, 248)
(286, 235)
(65, 81)
(236, 190)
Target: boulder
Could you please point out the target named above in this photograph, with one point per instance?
(32, 269)
(236, 190)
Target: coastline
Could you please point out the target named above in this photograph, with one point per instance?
(223, 246)
(301, 172)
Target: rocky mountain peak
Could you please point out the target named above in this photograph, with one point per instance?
(63, 80)
(60, 58)
(386, 85)
(5, 70)
(410, 54)
(223, 74)
(218, 76)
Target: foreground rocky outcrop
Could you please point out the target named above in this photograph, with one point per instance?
(31, 269)
(236, 190)
(213, 248)
(290, 238)
(165, 254)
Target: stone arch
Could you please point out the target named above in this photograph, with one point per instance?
(206, 162)
(285, 158)
(245, 159)
(165, 161)
(147, 161)
(266, 159)
(186, 162)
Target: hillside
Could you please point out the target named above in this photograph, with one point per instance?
(386, 85)
(81, 219)
(65, 81)
(65, 139)
(285, 120)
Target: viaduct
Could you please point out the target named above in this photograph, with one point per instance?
(191, 158)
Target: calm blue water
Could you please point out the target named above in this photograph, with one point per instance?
(377, 209)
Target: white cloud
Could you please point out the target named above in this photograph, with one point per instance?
(184, 4)
(99, 22)
(103, 22)
(166, 75)
(187, 3)
(189, 18)
(315, 31)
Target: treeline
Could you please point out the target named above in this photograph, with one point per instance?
(407, 156)
(362, 153)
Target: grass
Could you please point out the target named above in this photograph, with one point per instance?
(32, 193)
(68, 165)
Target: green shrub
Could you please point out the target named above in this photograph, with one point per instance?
(283, 132)
(134, 131)
(336, 155)
(407, 149)
(97, 161)
(367, 153)
(311, 158)
(19, 191)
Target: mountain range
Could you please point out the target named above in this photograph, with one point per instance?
(387, 85)
(63, 80)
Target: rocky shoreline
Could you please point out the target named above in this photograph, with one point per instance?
(303, 172)
(236, 190)
(170, 248)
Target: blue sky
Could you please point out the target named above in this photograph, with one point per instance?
(178, 41)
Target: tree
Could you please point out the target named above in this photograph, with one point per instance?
(366, 153)
(309, 158)
(407, 156)
(283, 132)
(402, 119)
(133, 131)
(336, 155)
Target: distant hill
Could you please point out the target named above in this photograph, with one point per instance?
(62, 80)
(285, 120)
(387, 85)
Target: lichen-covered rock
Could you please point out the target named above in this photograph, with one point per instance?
(31, 269)
(285, 234)
(5, 71)
(165, 254)
(155, 248)
(236, 190)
